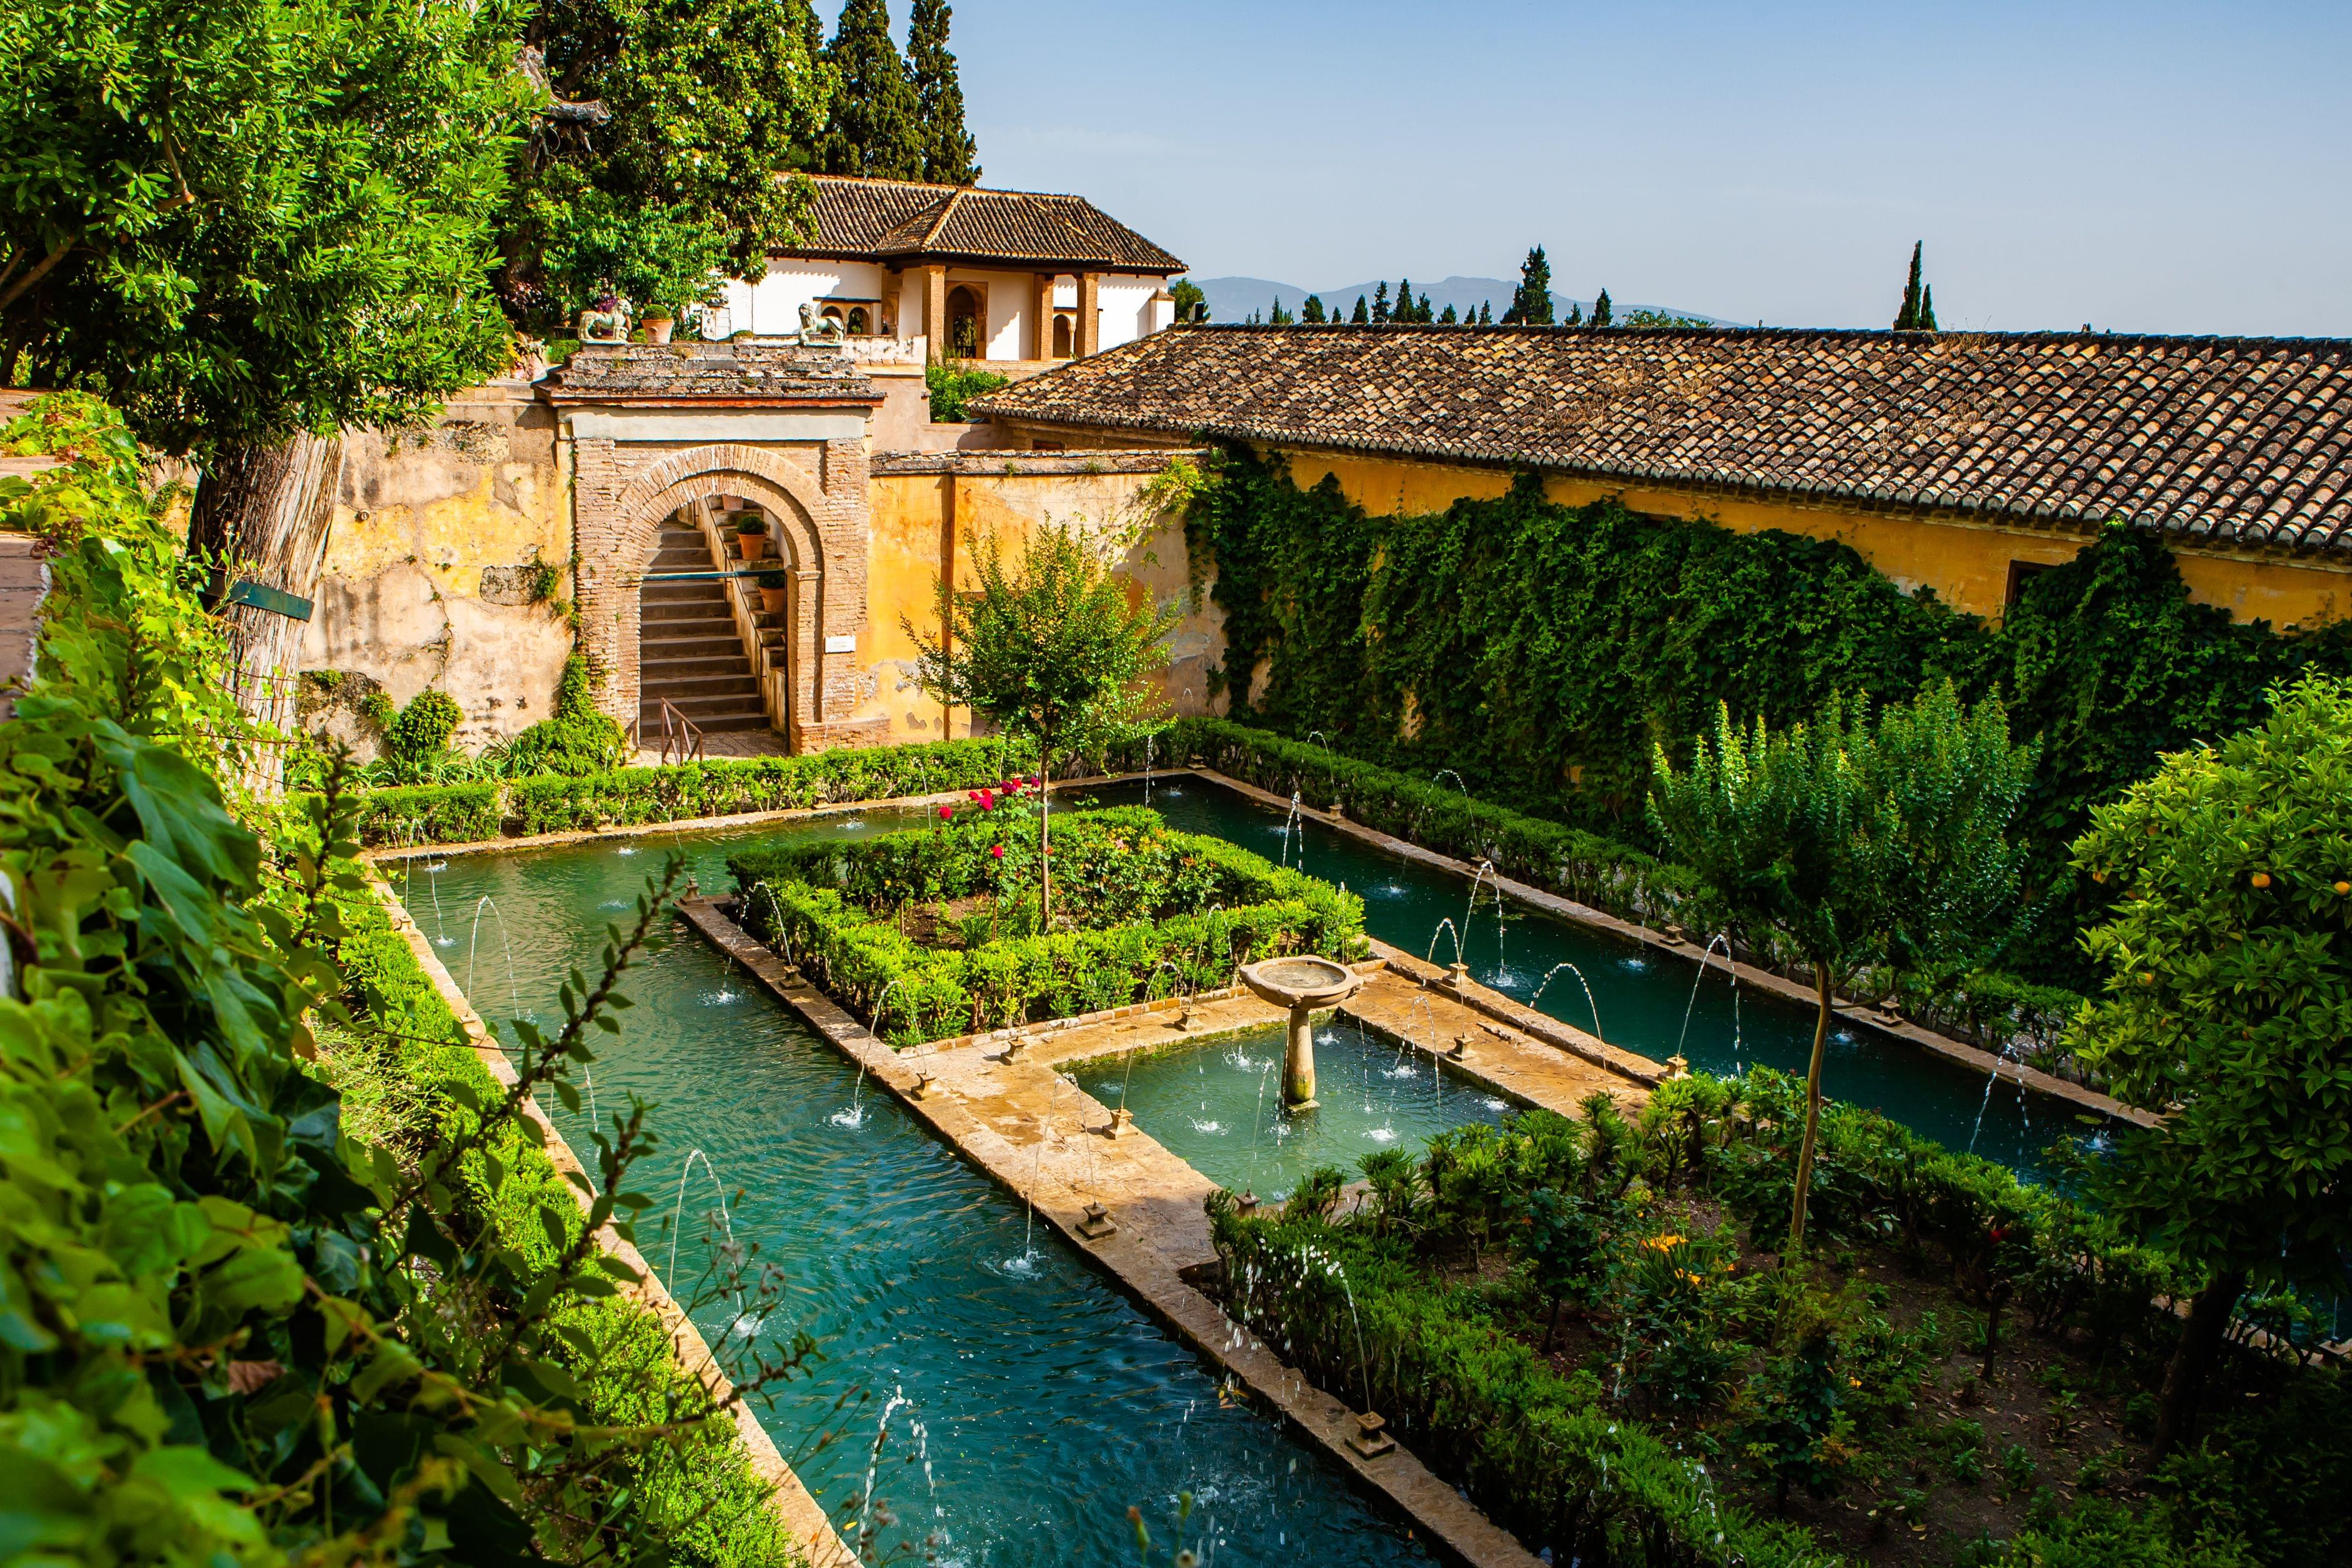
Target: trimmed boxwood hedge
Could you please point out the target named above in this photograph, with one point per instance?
(1146, 901)
(458, 814)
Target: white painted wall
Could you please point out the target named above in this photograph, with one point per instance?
(1127, 313)
(1128, 305)
(773, 304)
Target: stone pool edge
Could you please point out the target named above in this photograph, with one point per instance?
(1142, 1269)
(1568, 909)
(802, 1516)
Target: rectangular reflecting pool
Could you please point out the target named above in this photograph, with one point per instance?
(1019, 1403)
(1218, 1105)
(1648, 1002)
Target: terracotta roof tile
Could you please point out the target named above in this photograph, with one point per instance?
(2238, 440)
(901, 221)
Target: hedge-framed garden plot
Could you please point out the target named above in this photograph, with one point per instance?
(937, 933)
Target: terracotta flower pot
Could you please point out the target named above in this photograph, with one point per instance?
(659, 328)
(771, 601)
(754, 546)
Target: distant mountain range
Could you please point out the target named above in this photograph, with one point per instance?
(1232, 299)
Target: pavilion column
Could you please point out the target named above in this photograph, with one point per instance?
(935, 311)
(1089, 313)
(1041, 314)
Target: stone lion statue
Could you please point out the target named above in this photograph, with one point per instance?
(607, 321)
(819, 331)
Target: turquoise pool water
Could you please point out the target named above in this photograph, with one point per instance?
(1643, 1000)
(1219, 1105)
(1038, 1403)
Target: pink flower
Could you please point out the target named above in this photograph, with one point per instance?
(996, 851)
(946, 813)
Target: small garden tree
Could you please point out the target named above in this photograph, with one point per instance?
(1854, 843)
(2228, 1004)
(1051, 648)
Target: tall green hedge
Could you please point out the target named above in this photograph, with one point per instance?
(1541, 649)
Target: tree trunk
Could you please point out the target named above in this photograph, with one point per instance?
(1045, 843)
(2193, 1360)
(261, 515)
(1812, 1114)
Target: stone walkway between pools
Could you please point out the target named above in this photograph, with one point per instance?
(1002, 1100)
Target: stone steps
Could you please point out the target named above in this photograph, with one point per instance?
(688, 648)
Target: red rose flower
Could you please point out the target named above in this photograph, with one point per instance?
(996, 851)
(946, 813)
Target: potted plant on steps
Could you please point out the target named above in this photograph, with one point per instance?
(751, 534)
(771, 586)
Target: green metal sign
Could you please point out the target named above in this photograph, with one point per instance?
(277, 601)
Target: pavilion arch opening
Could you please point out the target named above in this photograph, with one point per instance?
(966, 325)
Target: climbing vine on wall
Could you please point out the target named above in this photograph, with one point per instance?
(1542, 650)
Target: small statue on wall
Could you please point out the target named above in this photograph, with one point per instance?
(607, 321)
(819, 331)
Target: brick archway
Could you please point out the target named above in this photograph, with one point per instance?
(621, 498)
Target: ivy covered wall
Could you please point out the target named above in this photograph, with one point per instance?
(1540, 649)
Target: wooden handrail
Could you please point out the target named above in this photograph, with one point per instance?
(680, 731)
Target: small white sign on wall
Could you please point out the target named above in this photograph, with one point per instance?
(842, 644)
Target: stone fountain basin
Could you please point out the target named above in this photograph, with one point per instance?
(1301, 982)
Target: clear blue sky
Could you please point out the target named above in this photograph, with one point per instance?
(2150, 166)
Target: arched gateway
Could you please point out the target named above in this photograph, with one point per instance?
(646, 429)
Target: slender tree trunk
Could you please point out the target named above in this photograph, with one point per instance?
(1044, 841)
(262, 514)
(2193, 1360)
(1813, 1113)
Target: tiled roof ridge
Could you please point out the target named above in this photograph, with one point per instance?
(935, 185)
(1824, 334)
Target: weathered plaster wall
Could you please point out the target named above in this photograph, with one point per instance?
(1967, 562)
(931, 510)
(432, 556)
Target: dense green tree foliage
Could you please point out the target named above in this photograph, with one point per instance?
(1918, 311)
(950, 157)
(1603, 313)
(1311, 312)
(2228, 1003)
(1531, 300)
(705, 106)
(1192, 303)
(243, 220)
(1856, 842)
(1362, 315)
(876, 127)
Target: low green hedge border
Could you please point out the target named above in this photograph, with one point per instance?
(1146, 898)
(1997, 1012)
(702, 1483)
(519, 808)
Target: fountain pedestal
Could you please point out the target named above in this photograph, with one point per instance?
(1302, 985)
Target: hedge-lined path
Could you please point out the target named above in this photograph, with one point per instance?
(802, 1514)
(1853, 1013)
(1023, 1124)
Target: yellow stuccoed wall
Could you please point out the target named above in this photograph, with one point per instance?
(1967, 564)
(924, 521)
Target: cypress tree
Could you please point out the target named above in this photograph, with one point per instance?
(1575, 313)
(1403, 311)
(874, 130)
(1927, 308)
(1446, 317)
(1362, 315)
(1906, 318)
(1486, 312)
(1381, 302)
(1600, 309)
(949, 154)
(1311, 312)
(1531, 302)
(1278, 317)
